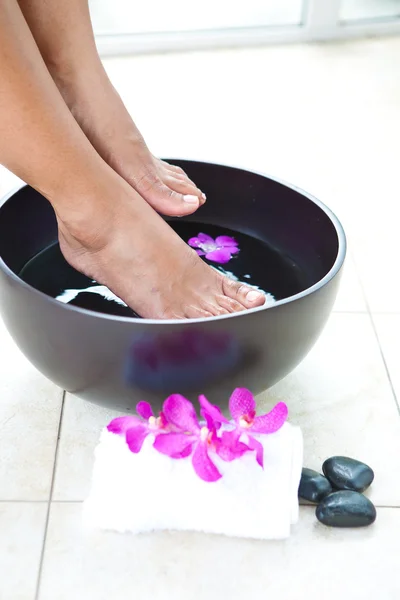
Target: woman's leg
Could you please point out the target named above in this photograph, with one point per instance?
(63, 31)
(106, 229)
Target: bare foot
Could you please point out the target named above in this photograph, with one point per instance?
(100, 112)
(145, 263)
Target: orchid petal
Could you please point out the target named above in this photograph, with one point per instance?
(225, 241)
(211, 424)
(272, 421)
(200, 252)
(135, 437)
(122, 424)
(203, 465)
(211, 413)
(181, 413)
(175, 445)
(228, 446)
(194, 242)
(163, 421)
(221, 255)
(258, 447)
(205, 239)
(144, 410)
(185, 452)
(242, 403)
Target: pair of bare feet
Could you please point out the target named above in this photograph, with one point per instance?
(65, 131)
(128, 247)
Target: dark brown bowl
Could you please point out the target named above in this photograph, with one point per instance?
(116, 361)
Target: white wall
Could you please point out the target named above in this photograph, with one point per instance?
(141, 16)
(146, 16)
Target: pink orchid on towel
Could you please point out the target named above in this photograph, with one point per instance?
(242, 407)
(219, 250)
(136, 429)
(192, 437)
(226, 448)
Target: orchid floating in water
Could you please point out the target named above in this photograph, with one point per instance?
(179, 434)
(218, 250)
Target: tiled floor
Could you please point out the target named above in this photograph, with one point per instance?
(327, 118)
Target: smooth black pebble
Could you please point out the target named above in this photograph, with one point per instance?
(347, 473)
(346, 509)
(313, 486)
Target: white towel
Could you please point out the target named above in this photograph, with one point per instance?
(150, 491)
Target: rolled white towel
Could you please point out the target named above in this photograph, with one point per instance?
(150, 491)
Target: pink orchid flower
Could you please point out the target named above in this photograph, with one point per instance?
(226, 448)
(192, 437)
(219, 250)
(242, 407)
(136, 429)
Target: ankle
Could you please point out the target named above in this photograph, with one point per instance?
(75, 81)
(89, 228)
(90, 214)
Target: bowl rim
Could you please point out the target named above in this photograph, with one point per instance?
(337, 265)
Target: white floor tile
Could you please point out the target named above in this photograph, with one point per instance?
(21, 538)
(29, 418)
(81, 427)
(316, 562)
(350, 297)
(388, 329)
(378, 265)
(341, 398)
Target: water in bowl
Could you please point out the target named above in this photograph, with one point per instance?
(257, 264)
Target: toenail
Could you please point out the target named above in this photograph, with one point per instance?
(203, 196)
(191, 199)
(252, 296)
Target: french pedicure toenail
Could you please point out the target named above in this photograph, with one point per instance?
(203, 196)
(191, 199)
(252, 296)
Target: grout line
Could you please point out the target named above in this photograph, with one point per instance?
(82, 501)
(46, 526)
(385, 363)
(366, 311)
(349, 312)
(11, 501)
(305, 505)
(371, 316)
(300, 504)
(379, 313)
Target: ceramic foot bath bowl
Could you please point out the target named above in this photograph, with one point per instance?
(116, 361)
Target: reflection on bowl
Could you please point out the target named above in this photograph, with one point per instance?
(115, 361)
(180, 360)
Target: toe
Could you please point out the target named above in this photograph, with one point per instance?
(173, 168)
(194, 312)
(167, 201)
(175, 204)
(229, 304)
(245, 295)
(182, 176)
(182, 186)
(178, 181)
